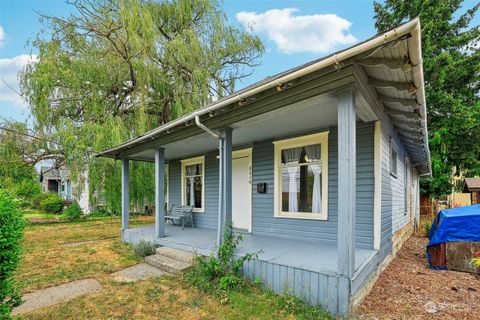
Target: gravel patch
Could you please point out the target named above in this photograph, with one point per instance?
(137, 272)
(54, 295)
(408, 289)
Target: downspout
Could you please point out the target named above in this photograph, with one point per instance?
(204, 128)
(220, 184)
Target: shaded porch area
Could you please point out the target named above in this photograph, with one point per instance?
(314, 256)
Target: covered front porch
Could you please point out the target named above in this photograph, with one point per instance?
(316, 256)
(308, 255)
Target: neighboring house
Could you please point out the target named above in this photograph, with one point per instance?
(57, 180)
(472, 186)
(319, 166)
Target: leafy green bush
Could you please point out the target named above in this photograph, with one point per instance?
(144, 248)
(426, 229)
(27, 189)
(52, 204)
(222, 272)
(73, 212)
(38, 198)
(12, 225)
(100, 214)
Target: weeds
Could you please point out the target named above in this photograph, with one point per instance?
(222, 272)
(426, 229)
(144, 248)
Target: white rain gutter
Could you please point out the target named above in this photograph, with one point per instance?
(409, 27)
(204, 128)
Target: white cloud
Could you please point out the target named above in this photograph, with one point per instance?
(9, 68)
(318, 33)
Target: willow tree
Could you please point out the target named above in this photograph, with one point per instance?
(451, 61)
(115, 69)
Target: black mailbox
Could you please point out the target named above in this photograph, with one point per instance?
(261, 187)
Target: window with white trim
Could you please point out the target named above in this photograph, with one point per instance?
(193, 189)
(393, 159)
(301, 177)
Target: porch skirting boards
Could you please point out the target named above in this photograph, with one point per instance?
(331, 292)
(135, 235)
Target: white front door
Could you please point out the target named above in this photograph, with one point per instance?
(241, 190)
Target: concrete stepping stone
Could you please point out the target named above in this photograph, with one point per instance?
(54, 295)
(141, 271)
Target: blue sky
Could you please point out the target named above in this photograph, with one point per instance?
(294, 32)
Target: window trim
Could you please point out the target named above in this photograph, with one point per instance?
(406, 187)
(187, 162)
(316, 138)
(393, 148)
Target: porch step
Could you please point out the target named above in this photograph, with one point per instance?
(167, 264)
(176, 254)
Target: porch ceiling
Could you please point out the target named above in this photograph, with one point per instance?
(309, 115)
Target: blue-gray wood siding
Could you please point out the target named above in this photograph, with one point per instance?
(207, 219)
(263, 221)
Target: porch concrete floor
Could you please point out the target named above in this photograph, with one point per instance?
(308, 255)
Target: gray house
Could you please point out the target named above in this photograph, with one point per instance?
(319, 166)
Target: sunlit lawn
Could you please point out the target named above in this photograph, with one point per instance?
(61, 252)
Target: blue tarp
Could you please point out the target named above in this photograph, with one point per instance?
(455, 225)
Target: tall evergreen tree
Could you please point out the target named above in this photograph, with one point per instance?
(451, 62)
(115, 69)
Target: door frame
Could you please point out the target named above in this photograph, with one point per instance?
(247, 152)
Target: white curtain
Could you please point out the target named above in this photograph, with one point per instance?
(191, 171)
(317, 190)
(192, 191)
(313, 153)
(292, 156)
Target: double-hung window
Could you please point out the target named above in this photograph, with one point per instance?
(193, 183)
(393, 159)
(301, 177)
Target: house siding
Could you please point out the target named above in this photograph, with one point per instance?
(394, 214)
(208, 218)
(263, 221)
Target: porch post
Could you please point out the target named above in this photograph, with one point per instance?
(346, 182)
(125, 194)
(224, 183)
(159, 193)
(346, 194)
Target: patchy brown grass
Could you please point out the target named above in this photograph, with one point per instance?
(408, 288)
(49, 261)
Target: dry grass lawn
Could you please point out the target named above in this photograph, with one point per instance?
(63, 252)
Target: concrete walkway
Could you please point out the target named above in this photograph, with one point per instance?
(53, 295)
(137, 272)
(68, 291)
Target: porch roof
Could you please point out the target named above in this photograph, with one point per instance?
(392, 66)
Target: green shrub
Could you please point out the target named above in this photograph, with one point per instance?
(73, 212)
(426, 229)
(144, 248)
(38, 198)
(222, 272)
(27, 189)
(52, 204)
(12, 225)
(100, 214)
